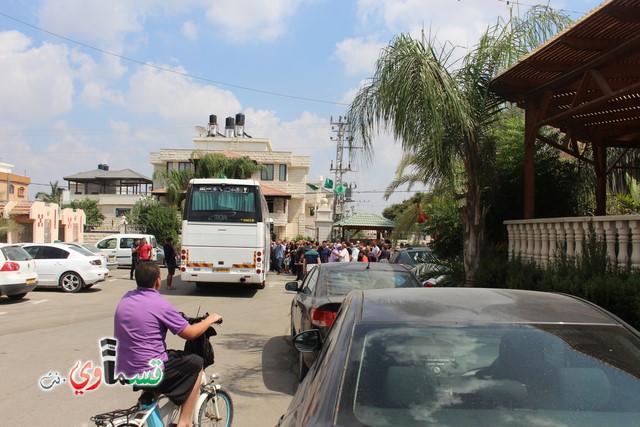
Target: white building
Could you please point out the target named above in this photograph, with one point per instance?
(284, 179)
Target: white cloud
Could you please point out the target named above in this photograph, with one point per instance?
(92, 20)
(176, 98)
(36, 81)
(190, 30)
(358, 55)
(242, 21)
(471, 18)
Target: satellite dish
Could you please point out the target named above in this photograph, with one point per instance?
(202, 131)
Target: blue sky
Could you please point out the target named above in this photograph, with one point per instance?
(87, 82)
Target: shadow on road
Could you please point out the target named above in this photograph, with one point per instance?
(278, 362)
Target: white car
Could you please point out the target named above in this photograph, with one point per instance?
(67, 266)
(119, 245)
(108, 259)
(18, 274)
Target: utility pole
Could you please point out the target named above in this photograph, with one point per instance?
(342, 131)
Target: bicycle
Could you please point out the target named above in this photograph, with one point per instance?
(213, 407)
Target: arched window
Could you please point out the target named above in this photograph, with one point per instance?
(12, 189)
(21, 192)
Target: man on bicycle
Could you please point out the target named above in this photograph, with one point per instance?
(141, 321)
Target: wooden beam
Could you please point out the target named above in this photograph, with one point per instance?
(530, 131)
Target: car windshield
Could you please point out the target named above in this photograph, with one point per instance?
(341, 282)
(81, 250)
(551, 375)
(15, 253)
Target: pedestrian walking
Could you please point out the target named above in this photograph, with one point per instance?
(170, 261)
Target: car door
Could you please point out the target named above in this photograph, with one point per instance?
(124, 250)
(304, 301)
(49, 262)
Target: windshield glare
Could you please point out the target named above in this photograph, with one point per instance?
(551, 375)
(341, 282)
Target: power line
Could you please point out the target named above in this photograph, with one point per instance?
(168, 70)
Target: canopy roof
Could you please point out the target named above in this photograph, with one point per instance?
(585, 81)
(366, 221)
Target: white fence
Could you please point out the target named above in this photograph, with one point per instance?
(540, 240)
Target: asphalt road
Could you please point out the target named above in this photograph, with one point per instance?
(44, 335)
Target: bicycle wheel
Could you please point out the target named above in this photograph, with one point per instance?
(216, 410)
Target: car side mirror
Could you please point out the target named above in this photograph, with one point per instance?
(292, 286)
(308, 341)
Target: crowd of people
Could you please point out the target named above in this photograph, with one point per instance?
(291, 257)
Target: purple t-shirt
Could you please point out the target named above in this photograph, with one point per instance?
(142, 319)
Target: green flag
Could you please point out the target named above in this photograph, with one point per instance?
(328, 183)
(339, 189)
(222, 175)
(313, 186)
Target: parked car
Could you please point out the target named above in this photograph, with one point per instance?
(160, 255)
(108, 259)
(18, 274)
(411, 255)
(469, 357)
(70, 267)
(320, 295)
(120, 246)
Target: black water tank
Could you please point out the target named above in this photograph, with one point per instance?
(240, 119)
(229, 123)
(213, 119)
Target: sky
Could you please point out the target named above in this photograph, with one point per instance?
(88, 82)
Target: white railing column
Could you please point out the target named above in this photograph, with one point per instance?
(570, 239)
(623, 243)
(544, 244)
(578, 231)
(634, 225)
(610, 239)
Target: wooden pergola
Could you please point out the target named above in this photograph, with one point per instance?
(585, 82)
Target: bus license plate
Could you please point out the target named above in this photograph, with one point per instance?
(221, 270)
(30, 281)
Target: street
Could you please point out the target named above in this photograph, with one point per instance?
(46, 334)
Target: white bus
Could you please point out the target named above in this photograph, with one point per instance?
(226, 233)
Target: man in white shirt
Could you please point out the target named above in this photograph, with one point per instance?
(344, 253)
(354, 251)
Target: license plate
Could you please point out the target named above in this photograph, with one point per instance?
(30, 281)
(221, 270)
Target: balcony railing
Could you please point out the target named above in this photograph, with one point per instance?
(541, 240)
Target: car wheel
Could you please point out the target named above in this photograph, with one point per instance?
(71, 282)
(17, 296)
(302, 368)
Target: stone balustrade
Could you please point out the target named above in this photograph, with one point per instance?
(541, 240)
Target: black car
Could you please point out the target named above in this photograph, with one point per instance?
(411, 255)
(321, 293)
(469, 357)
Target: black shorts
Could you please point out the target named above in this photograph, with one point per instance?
(171, 269)
(180, 375)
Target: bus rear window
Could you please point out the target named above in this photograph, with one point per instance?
(222, 203)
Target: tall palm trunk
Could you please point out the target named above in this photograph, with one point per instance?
(473, 221)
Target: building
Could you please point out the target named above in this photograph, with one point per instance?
(42, 222)
(115, 191)
(283, 180)
(12, 186)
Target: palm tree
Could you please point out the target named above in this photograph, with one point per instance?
(213, 165)
(443, 113)
(207, 165)
(53, 196)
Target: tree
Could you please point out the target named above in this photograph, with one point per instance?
(213, 165)
(444, 116)
(158, 219)
(90, 208)
(53, 196)
(207, 165)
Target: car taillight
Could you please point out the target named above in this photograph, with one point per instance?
(323, 318)
(96, 262)
(10, 266)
